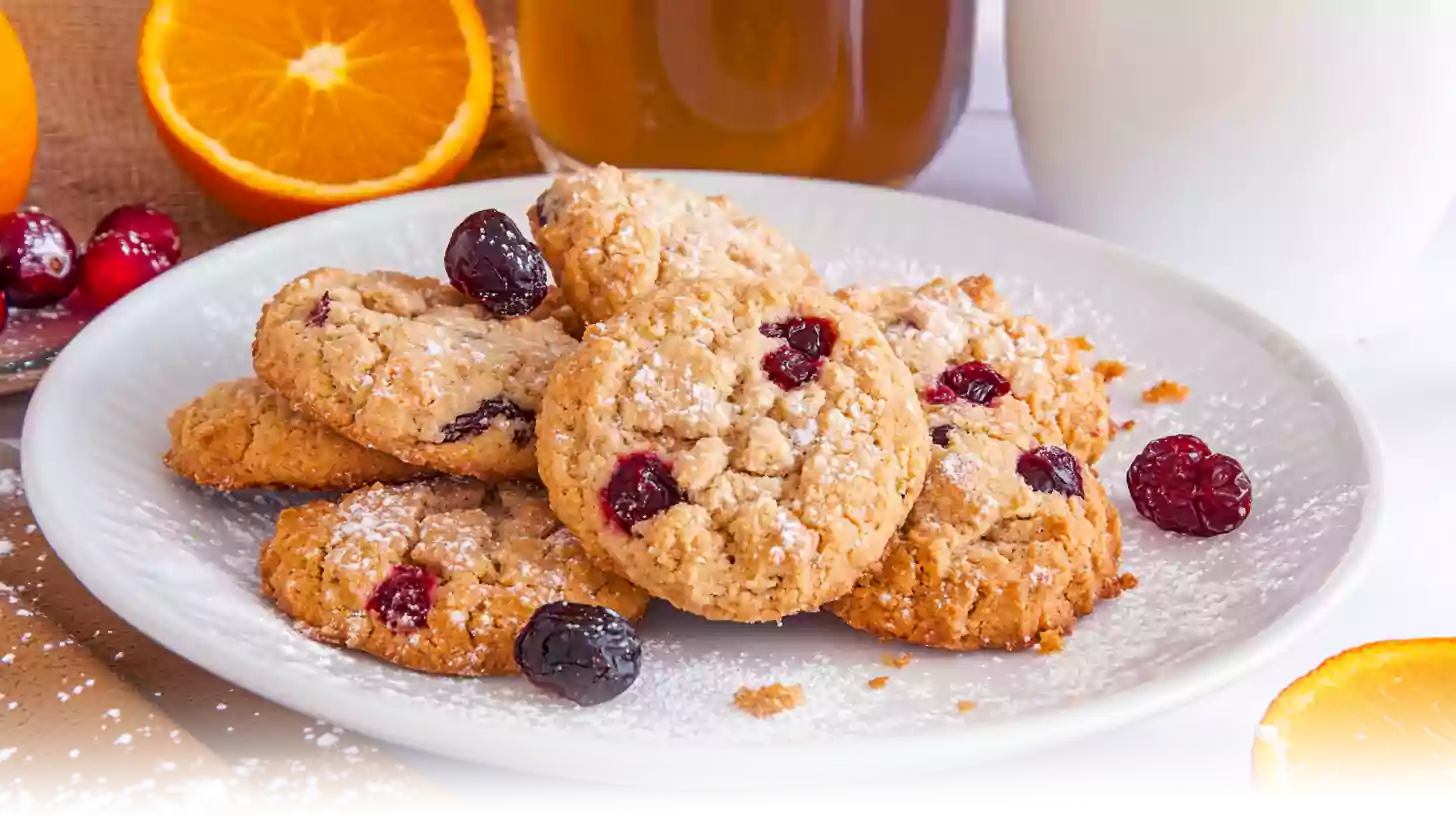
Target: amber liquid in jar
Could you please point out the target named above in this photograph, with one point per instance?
(865, 90)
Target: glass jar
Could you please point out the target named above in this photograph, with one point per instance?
(863, 90)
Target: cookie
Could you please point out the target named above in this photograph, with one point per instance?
(1009, 540)
(613, 236)
(741, 448)
(942, 325)
(411, 367)
(241, 435)
(437, 575)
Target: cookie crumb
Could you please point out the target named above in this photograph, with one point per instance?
(1129, 425)
(1110, 369)
(1049, 641)
(965, 706)
(1127, 581)
(899, 661)
(1166, 391)
(766, 701)
(1080, 343)
(878, 682)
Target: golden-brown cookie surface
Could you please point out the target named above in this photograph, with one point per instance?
(612, 236)
(242, 435)
(741, 448)
(411, 367)
(438, 575)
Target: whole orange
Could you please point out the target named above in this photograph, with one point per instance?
(17, 112)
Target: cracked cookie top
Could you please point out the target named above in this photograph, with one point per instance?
(411, 367)
(741, 448)
(613, 236)
(437, 575)
(939, 328)
(242, 435)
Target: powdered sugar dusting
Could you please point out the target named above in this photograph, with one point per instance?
(1252, 396)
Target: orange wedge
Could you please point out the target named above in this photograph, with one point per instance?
(1380, 716)
(280, 108)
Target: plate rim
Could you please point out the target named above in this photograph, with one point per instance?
(518, 747)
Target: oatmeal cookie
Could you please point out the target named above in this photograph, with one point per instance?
(1009, 540)
(241, 435)
(612, 236)
(944, 324)
(437, 575)
(411, 367)
(741, 448)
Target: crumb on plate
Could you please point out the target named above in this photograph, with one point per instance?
(1166, 391)
(878, 682)
(965, 706)
(1110, 369)
(1049, 641)
(1127, 581)
(1129, 425)
(1081, 343)
(766, 701)
(899, 661)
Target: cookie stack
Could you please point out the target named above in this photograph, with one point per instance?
(726, 435)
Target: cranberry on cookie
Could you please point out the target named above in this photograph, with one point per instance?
(439, 575)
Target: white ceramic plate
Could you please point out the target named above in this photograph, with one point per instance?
(180, 564)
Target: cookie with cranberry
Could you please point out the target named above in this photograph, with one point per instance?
(411, 367)
(242, 435)
(741, 448)
(1009, 540)
(964, 346)
(612, 236)
(438, 575)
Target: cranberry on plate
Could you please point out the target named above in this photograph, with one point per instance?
(1182, 486)
(587, 654)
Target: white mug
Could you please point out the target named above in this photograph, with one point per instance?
(1279, 148)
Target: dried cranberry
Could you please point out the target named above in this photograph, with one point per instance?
(147, 224)
(489, 259)
(587, 654)
(4, 313)
(813, 336)
(116, 263)
(403, 600)
(641, 487)
(475, 422)
(1182, 486)
(790, 368)
(974, 382)
(320, 313)
(37, 260)
(940, 435)
(1050, 469)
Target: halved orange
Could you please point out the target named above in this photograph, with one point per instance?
(280, 108)
(1379, 716)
